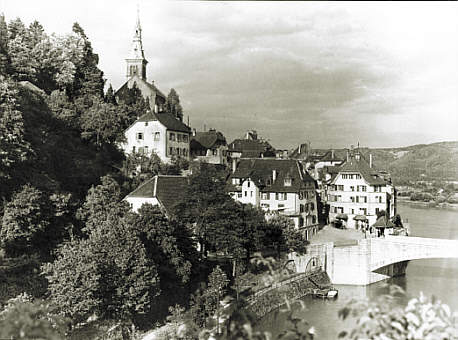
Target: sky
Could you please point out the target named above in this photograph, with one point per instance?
(383, 74)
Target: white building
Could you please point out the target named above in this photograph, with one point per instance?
(358, 189)
(277, 185)
(160, 132)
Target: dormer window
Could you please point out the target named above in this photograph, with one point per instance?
(288, 182)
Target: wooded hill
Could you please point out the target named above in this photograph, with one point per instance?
(436, 161)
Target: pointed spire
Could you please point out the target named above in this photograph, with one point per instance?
(136, 62)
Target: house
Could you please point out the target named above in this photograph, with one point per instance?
(160, 132)
(163, 191)
(277, 186)
(209, 147)
(251, 147)
(359, 189)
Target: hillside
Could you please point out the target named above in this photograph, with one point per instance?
(436, 161)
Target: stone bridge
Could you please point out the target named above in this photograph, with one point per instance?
(375, 259)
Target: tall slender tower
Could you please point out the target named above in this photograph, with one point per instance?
(136, 62)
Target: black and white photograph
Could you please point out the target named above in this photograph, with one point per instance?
(228, 170)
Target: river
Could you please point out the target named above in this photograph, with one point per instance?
(438, 277)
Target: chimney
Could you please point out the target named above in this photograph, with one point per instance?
(300, 148)
(274, 175)
(156, 109)
(193, 132)
(332, 154)
(348, 155)
(370, 160)
(234, 164)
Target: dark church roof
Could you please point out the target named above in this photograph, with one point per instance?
(167, 189)
(261, 172)
(166, 119)
(123, 89)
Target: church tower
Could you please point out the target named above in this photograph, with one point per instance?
(136, 62)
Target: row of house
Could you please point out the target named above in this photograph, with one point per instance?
(296, 184)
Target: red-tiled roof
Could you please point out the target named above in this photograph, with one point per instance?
(261, 172)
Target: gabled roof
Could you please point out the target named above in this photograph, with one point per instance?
(369, 174)
(252, 148)
(167, 190)
(152, 87)
(260, 171)
(207, 140)
(166, 119)
(328, 157)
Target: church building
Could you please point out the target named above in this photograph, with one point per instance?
(136, 73)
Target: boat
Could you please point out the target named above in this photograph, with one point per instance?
(332, 294)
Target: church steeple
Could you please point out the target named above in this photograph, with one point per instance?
(136, 62)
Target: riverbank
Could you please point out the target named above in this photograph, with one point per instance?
(444, 205)
(274, 298)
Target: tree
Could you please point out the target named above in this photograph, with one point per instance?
(24, 318)
(26, 220)
(14, 149)
(173, 105)
(101, 200)
(102, 123)
(201, 201)
(217, 283)
(110, 96)
(4, 57)
(108, 275)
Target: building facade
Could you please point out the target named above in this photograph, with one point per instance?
(277, 186)
(158, 132)
(358, 189)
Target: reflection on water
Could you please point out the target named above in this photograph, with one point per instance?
(437, 277)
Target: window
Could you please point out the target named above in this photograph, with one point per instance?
(178, 137)
(157, 136)
(301, 208)
(248, 184)
(377, 188)
(340, 187)
(377, 210)
(215, 152)
(146, 123)
(170, 151)
(146, 149)
(265, 196)
(301, 221)
(265, 206)
(185, 138)
(172, 136)
(139, 135)
(236, 181)
(313, 219)
(358, 176)
(141, 150)
(239, 195)
(363, 211)
(312, 206)
(185, 152)
(301, 195)
(352, 188)
(288, 182)
(352, 199)
(246, 193)
(364, 198)
(133, 149)
(281, 206)
(363, 188)
(178, 151)
(353, 211)
(380, 199)
(282, 196)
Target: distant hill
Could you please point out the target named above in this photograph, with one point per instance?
(436, 161)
